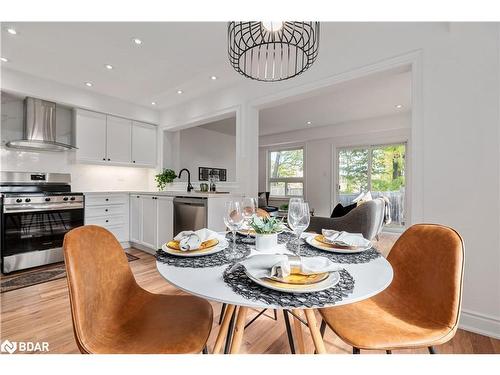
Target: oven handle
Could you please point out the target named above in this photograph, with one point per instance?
(42, 207)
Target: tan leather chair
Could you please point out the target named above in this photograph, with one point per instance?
(113, 314)
(261, 213)
(421, 306)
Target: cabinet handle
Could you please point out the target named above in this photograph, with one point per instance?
(107, 199)
(133, 161)
(107, 220)
(106, 210)
(104, 159)
(109, 159)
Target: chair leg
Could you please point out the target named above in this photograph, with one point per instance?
(355, 350)
(322, 328)
(289, 331)
(275, 315)
(205, 350)
(222, 310)
(388, 351)
(432, 350)
(229, 337)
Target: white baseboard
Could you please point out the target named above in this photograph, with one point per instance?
(480, 323)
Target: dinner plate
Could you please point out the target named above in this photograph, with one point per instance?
(322, 246)
(221, 245)
(332, 279)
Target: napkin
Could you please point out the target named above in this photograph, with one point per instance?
(282, 265)
(345, 238)
(191, 240)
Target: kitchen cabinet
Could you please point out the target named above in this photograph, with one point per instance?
(106, 139)
(109, 210)
(144, 138)
(135, 218)
(118, 140)
(149, 225)
(151, 221)
(90, 135)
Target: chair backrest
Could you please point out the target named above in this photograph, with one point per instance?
(261, 213)
(99, 280)
(367, 218)
(428, 263)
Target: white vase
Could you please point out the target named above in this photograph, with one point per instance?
(266, 241)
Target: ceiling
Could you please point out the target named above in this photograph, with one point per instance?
(225, 126)
(372, 96)
(173, 56)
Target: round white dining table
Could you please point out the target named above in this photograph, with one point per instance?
(370, 278)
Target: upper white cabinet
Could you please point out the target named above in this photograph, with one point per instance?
(90, 135)
(143, 144)
(119, 139)
(113, 140)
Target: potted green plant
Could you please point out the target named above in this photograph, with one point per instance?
(164, 178)
(266, 231)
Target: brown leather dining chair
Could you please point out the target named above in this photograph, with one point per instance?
(112, 314)
(421, 306)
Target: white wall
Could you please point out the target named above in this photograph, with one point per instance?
(319, 143)
(85, 177)
(456, 154)
(201, 147)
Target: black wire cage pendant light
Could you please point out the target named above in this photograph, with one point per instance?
(272, 51)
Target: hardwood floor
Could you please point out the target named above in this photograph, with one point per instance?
(41, 313)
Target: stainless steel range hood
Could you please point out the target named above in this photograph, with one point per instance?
(39, 127)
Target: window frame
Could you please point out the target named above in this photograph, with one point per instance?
(286, 180)
(370, 146)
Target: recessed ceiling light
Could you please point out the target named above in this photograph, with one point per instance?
(88, 84)
(308, 122)
(108, 66)
(398, 106)
(4, 59)
(153, 103)
(11, 31)
(179, 92)
(213, 78)
(137, 41)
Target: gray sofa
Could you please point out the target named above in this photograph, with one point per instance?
(367, 219)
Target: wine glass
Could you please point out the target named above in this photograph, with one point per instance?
(298, 219)
(233, 218)
(249, 208)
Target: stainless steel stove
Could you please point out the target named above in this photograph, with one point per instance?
(37, 210)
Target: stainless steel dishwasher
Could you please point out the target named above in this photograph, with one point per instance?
(189, 214)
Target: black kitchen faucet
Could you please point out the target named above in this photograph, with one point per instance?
(189, 187)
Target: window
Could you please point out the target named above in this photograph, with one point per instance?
(286, 172)
(379, 169)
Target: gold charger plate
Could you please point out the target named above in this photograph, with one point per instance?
(299, 279)
(206, 245)
(322, 239)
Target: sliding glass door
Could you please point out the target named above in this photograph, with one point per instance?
(379, 169)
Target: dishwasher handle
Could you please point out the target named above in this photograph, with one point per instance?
(191, 201)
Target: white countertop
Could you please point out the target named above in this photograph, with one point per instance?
(170, 193)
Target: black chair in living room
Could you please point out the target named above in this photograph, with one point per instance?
(264, 202)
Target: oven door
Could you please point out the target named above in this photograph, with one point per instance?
(24, 232)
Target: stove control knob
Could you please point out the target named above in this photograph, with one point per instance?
(72, 198)
(65, 198)
(47, 199)
(19, 200)
(27, 200)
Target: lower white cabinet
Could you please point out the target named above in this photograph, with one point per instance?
(109, 210)
(151, 220)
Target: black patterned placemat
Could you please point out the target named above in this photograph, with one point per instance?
(210, 260)
(310, 251)
(241, 284)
